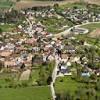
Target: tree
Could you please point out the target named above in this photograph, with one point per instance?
(64, 96)
(22, 66)
(18, 0)
(90, 54)
(1, 30)
(49, 80)
(98, 86)
(42, 77)
(81, 94)
(93, 77)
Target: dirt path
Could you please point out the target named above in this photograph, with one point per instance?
(25, 75)
(67, 31)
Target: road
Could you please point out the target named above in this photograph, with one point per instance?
(54, 74)
(66, 32)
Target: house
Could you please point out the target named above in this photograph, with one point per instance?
(84, 74)
(5, 53)
(63, 69)
(64, 56)
(69, 48)
(9, 64)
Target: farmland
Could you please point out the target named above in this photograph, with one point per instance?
(28, 93)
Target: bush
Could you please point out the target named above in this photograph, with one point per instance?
(8, 79)
(24, 83)
(61, 80)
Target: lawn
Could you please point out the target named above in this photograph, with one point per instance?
(28, 93)
(65, 84)
(91, 27)
(7, 27)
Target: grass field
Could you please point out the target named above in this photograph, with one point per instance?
(71, 5)
(54, 24)
(22, 93)
(35, 75)
(92, 27)
(67, 85)
(28, 93)
(5, 4)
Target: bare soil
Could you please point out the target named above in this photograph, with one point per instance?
(95, 33)
(30, 3)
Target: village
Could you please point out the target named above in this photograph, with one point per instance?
(33, 52)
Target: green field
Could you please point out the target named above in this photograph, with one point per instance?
(72, 5)
(55, 25)
(12, 89)
(6, 3)
(7, 27)
(35, 75)
(28, 93)
(66, 85)
(92, 26)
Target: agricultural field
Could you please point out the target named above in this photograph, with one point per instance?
(71, 5)
(92, 26)
(13, 89)
(27, 93)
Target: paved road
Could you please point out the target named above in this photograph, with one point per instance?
(54, 76)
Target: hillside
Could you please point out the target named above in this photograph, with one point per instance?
(31, 3)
